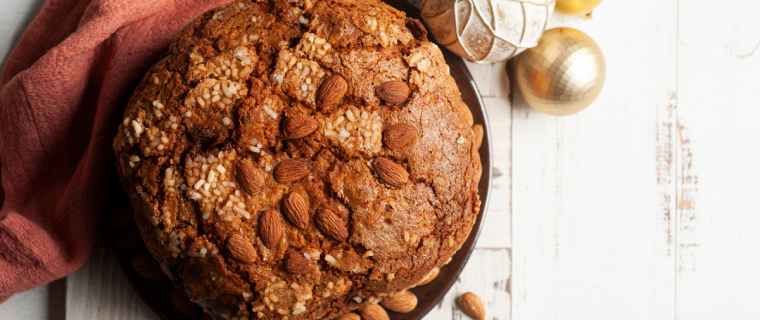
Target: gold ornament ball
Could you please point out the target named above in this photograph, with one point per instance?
(576, 7)
(563, 74)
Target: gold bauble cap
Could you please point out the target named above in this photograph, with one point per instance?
(563, 74)
(575, 7)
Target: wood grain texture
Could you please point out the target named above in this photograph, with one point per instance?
(46, 302)
(491, 79)
(31, 304)
(494, 87)
(593, 193)
(497, 226)
(487, 274)
(717, 162)
(99, 290)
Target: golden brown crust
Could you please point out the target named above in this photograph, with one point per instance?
(221, 96)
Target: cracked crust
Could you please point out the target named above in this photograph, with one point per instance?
(221, 95)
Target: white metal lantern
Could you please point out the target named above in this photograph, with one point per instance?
(485, 31)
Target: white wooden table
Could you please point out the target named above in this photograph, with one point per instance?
(646, 205)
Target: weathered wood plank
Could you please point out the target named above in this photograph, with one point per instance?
(497, 226)
(99, 290)
(44, 303)
(718, 185)
(31, 304)
(487, 274)
(593, 193)
(491, 79)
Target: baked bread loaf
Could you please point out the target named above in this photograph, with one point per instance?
(299, 159)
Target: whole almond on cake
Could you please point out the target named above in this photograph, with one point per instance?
(250, 178)
(331, 225)
(477, 140)
(401, 303)
(299, 127)
(398, 135)
(291, 171)
(296, 263)
(349, 316)
(296, 210)
(430, 277)
(240, 249)
(390, 172)
(332, 90)
(393, 92)
(373, 312)
(270, 228)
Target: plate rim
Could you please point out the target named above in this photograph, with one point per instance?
(484, 190)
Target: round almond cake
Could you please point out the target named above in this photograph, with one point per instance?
(299, 159)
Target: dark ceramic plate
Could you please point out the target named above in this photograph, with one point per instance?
(123, 240)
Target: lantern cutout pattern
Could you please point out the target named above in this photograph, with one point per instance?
(486, 31)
